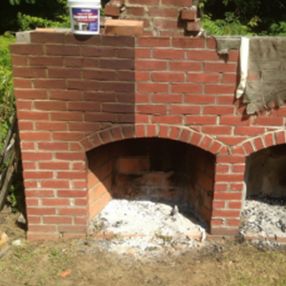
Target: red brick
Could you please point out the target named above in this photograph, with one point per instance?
(57, 220)
(229, 178)
(193, 26)
(135, 11)
(150, 65)
(219, 205)
(226, 213)
(32, 202)
(72, 211)
(189, 14)
(55, 202)
(199, 99)
(67, 116)
(216, 130)
(171, 119)
(41, 211)
(72, 193)
(204, 78)
(36, 156)
(112, 11)
(185, 109)
(24, 105)
(143, 53)
(219, 110)
(230, 159)
(42, 228)
(153, 42)
(219, 89)
(167, 98)
(163, 12)
(49, 83)
(268, 140)
(71, 156)
(47, 37)
(152, 87)
(54, 165)
(39, 193)
(63, 50)
(26, 49)
(179, 3)
(249, 130)
(35, 136)
(221, 187)
(45, 61)
(167, 77)
(188, 43)
(19, 60)
(220, 67)
(185, 66)
(201, 120)
(57, 184)
(22, 83)
(187, 88)
(29, 72)
(233, 222)
(71, 175)
(26, 125)
(269, 121)
(280, 137)
(72, 228)
(64, 73)
(37, 175)
(30, 94)
(169, 54)
(68, 136)
(235, 205)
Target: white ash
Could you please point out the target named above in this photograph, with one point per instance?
(265, 219)
(144, 227)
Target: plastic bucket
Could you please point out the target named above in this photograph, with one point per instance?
(85, 16)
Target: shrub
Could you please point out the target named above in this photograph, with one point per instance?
(7, 109)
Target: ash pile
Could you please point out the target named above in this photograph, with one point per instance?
(145, 228)
(264, 219)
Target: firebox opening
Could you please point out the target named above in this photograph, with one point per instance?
(157, 170)
(264, 212)
(265, 174)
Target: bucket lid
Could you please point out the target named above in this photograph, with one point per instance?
(97, 2)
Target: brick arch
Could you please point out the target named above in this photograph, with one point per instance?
(260, 142)
(177, 133)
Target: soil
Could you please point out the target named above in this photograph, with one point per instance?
(83, 262)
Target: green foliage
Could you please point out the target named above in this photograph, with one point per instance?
(27, 22)
(228, 26)
(278, 28)
(18, 2)
(244, 17)
(6, 88)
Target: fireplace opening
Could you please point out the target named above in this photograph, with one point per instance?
(153, 175)
(264, 212)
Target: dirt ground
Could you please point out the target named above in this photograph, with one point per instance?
(82, 262)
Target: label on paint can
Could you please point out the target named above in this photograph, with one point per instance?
(85, 20)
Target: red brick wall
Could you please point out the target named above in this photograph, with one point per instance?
(76, 94)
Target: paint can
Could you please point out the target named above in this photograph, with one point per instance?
(85, 16)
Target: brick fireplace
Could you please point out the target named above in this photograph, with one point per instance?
(98, 113)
